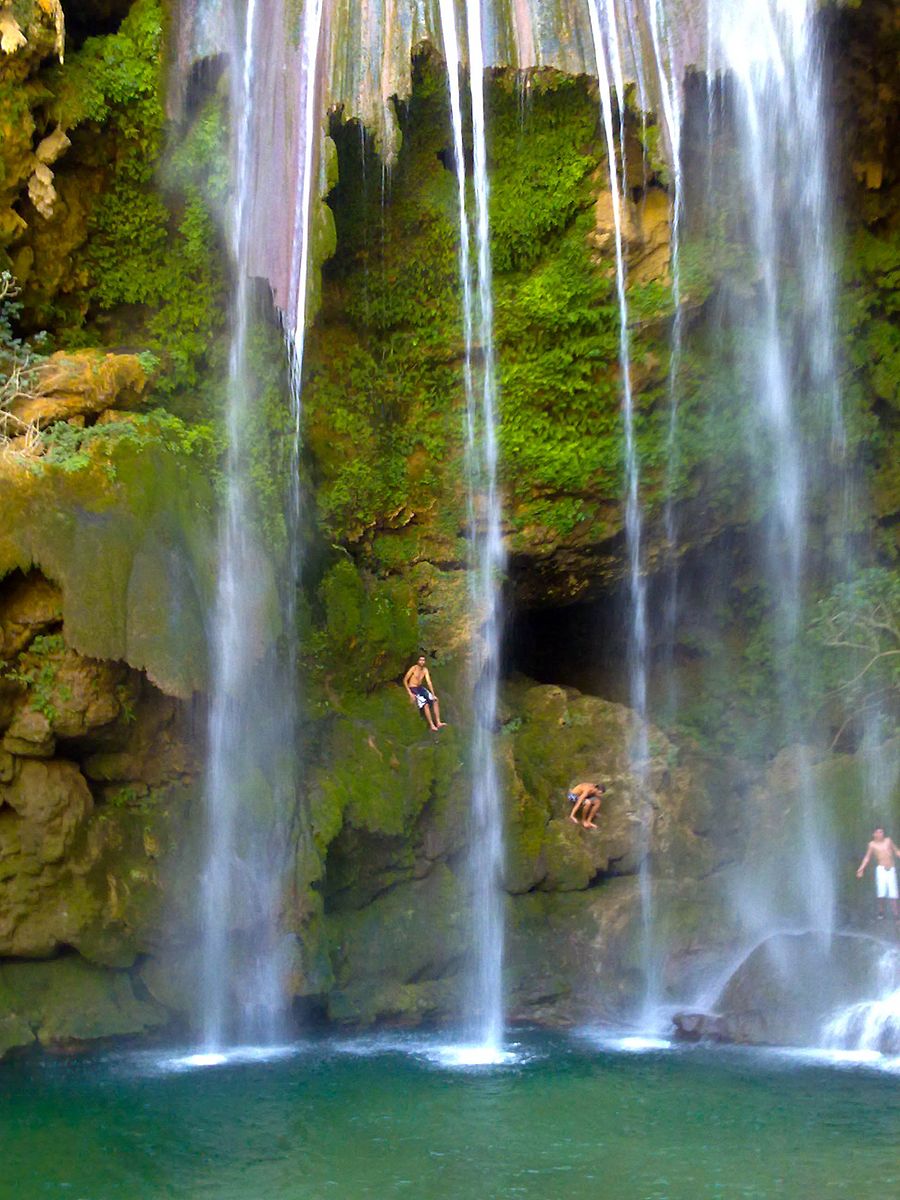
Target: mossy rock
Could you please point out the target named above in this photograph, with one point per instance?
(413, 933)
(67, 1000)
(126, 528)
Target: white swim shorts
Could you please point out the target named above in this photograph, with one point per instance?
(886, 882)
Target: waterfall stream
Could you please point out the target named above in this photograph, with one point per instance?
(871, 1025)
(605, 33)
(776, 318)
(252, 782)
(485, 1004)
(772, 64)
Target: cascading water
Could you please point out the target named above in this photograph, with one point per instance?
(485, 1006)
(764, 75)
(605, 32)
(233, 650)
(772, 64)
(669, 77)
(871, 1025)
(251, 790)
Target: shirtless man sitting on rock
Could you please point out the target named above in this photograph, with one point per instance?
(883, 850)
(585, 796)
(418, 684)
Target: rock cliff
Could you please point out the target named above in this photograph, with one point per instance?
(110, 450)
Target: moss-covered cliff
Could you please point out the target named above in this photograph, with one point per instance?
(110, 224)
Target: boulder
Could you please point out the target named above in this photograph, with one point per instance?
(748, 1029)
(788, 989)
(51, 802)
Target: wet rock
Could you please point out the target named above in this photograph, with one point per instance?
(390, 956)
(789, 987)
(748, 1029)
(67, 1001)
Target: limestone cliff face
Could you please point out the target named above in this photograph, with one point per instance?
(96, 772)
(108, 466)
(395, 897)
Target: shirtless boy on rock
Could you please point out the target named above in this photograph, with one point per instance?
(586, 797)
(418, 684)
(883, 850)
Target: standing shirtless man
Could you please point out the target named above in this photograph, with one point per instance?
(883, 850)
(585, 796)
(418, 684)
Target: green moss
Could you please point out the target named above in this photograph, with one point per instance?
(385, 399)
(145, 510)
(370, 626)
(146, 262)
(542, 156)
(871, 303)
(560, 424)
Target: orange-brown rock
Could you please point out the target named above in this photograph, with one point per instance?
(81, 383)
(29, 605)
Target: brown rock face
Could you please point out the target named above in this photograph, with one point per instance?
(30, 32)
(92, 758)
(29, 605)
(82, 383)
(51, 800)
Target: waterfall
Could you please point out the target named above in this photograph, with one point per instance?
(669, 80)
(605, 33)
(776, 315)
(251, 786)
(871, 1025)
(772, 63)
(485, 1006)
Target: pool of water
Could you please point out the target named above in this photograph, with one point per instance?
(585, 1118)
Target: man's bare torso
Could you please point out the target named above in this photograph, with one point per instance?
(417, 676)
(883, 852)
(586, 791)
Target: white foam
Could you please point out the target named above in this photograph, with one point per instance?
(627, 1043)
(836, 1057)
(201, 1060)
(472, 1056)
(233, 1054)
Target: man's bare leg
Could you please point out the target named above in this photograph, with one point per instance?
(590, 813)
(573, 815)
(437, 713)
(429, 718)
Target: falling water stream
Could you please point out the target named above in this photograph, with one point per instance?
(229, 870)
(485, 1003)
(765, 90)
(773, 63)
(605, 33)
(251, 788)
